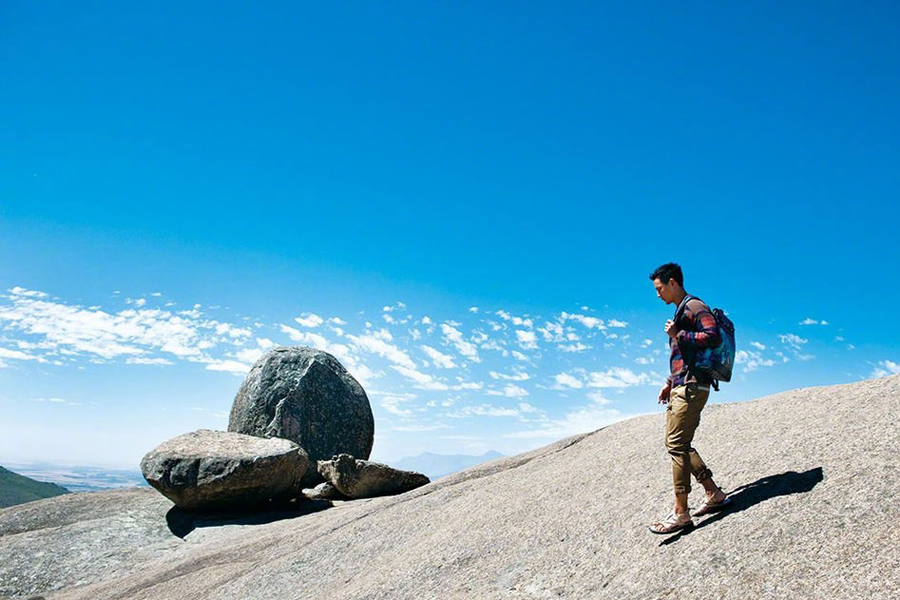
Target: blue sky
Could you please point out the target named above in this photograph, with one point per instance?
(462, 202)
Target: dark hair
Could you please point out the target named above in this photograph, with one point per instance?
(666, 272)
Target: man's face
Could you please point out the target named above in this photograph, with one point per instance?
(666, 291)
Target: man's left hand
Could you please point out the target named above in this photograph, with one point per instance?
(671, 330)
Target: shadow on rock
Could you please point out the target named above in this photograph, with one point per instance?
(746, 496)
(182, 522)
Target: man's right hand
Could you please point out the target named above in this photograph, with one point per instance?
(664, 394)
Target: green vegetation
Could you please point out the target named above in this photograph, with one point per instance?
(17, 489)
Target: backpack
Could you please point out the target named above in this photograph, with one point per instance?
(714, 362)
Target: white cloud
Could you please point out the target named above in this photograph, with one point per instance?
(758, 346)
(392, 402)
(249, 355)
(313, 340)
(885, 368)
(20, 291)
(809, 321)
(444, 361)
(572, 348)
(229, 366)
(552, 332)
(130, 332)
(617, 377)
(18, 355)
(752, 360)
(232, 331)
(598, 398)
(527, 339)
(473, 309)
(567, 380)
(617, 323)
(589, 322)
(792, 340)
(454, 337)
(483, 410)
(378, 343)
(133, 360)
(310, 320)
(519, 376)
(424, 381)
(517, 321)
(469, 385)
(510, 391)
(396, 306)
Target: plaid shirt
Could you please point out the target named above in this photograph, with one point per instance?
(697, 328)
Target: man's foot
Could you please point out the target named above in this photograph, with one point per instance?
(713, 503)
(674, 522)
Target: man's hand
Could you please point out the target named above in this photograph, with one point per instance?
(671, 330)
(664, 394)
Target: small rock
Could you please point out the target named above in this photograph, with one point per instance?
(357, 478)
(324, 491)
(213, 470)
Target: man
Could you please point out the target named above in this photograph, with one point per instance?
(685, 394)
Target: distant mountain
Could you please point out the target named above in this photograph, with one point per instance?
(441, 465)
(81, 478)
(18, 489)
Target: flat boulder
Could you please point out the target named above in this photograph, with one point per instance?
(357, 478)
(217, 470)
(307, 396)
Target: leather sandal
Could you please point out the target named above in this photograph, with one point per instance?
(710, 507)
(674, 522)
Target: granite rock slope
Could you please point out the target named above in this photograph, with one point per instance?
(813, 472)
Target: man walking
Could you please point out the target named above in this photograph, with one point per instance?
(685, 393)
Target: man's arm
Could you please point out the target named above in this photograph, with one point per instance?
(706, 330)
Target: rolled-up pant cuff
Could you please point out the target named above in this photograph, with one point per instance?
(703, 475)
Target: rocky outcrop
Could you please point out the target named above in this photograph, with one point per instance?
(813, 474)
(306, 396)
(356, 478)
(215, 470)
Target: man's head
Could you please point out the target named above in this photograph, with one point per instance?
(669, 282)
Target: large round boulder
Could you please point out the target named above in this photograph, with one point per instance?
(216, 470)
(305, 395)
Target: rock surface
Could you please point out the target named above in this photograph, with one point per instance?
(357, 478)
(813, 473)
(307, 396)
(213, 470)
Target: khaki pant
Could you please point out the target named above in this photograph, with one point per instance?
(682, 419)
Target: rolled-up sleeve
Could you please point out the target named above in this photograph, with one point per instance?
(705, 331)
